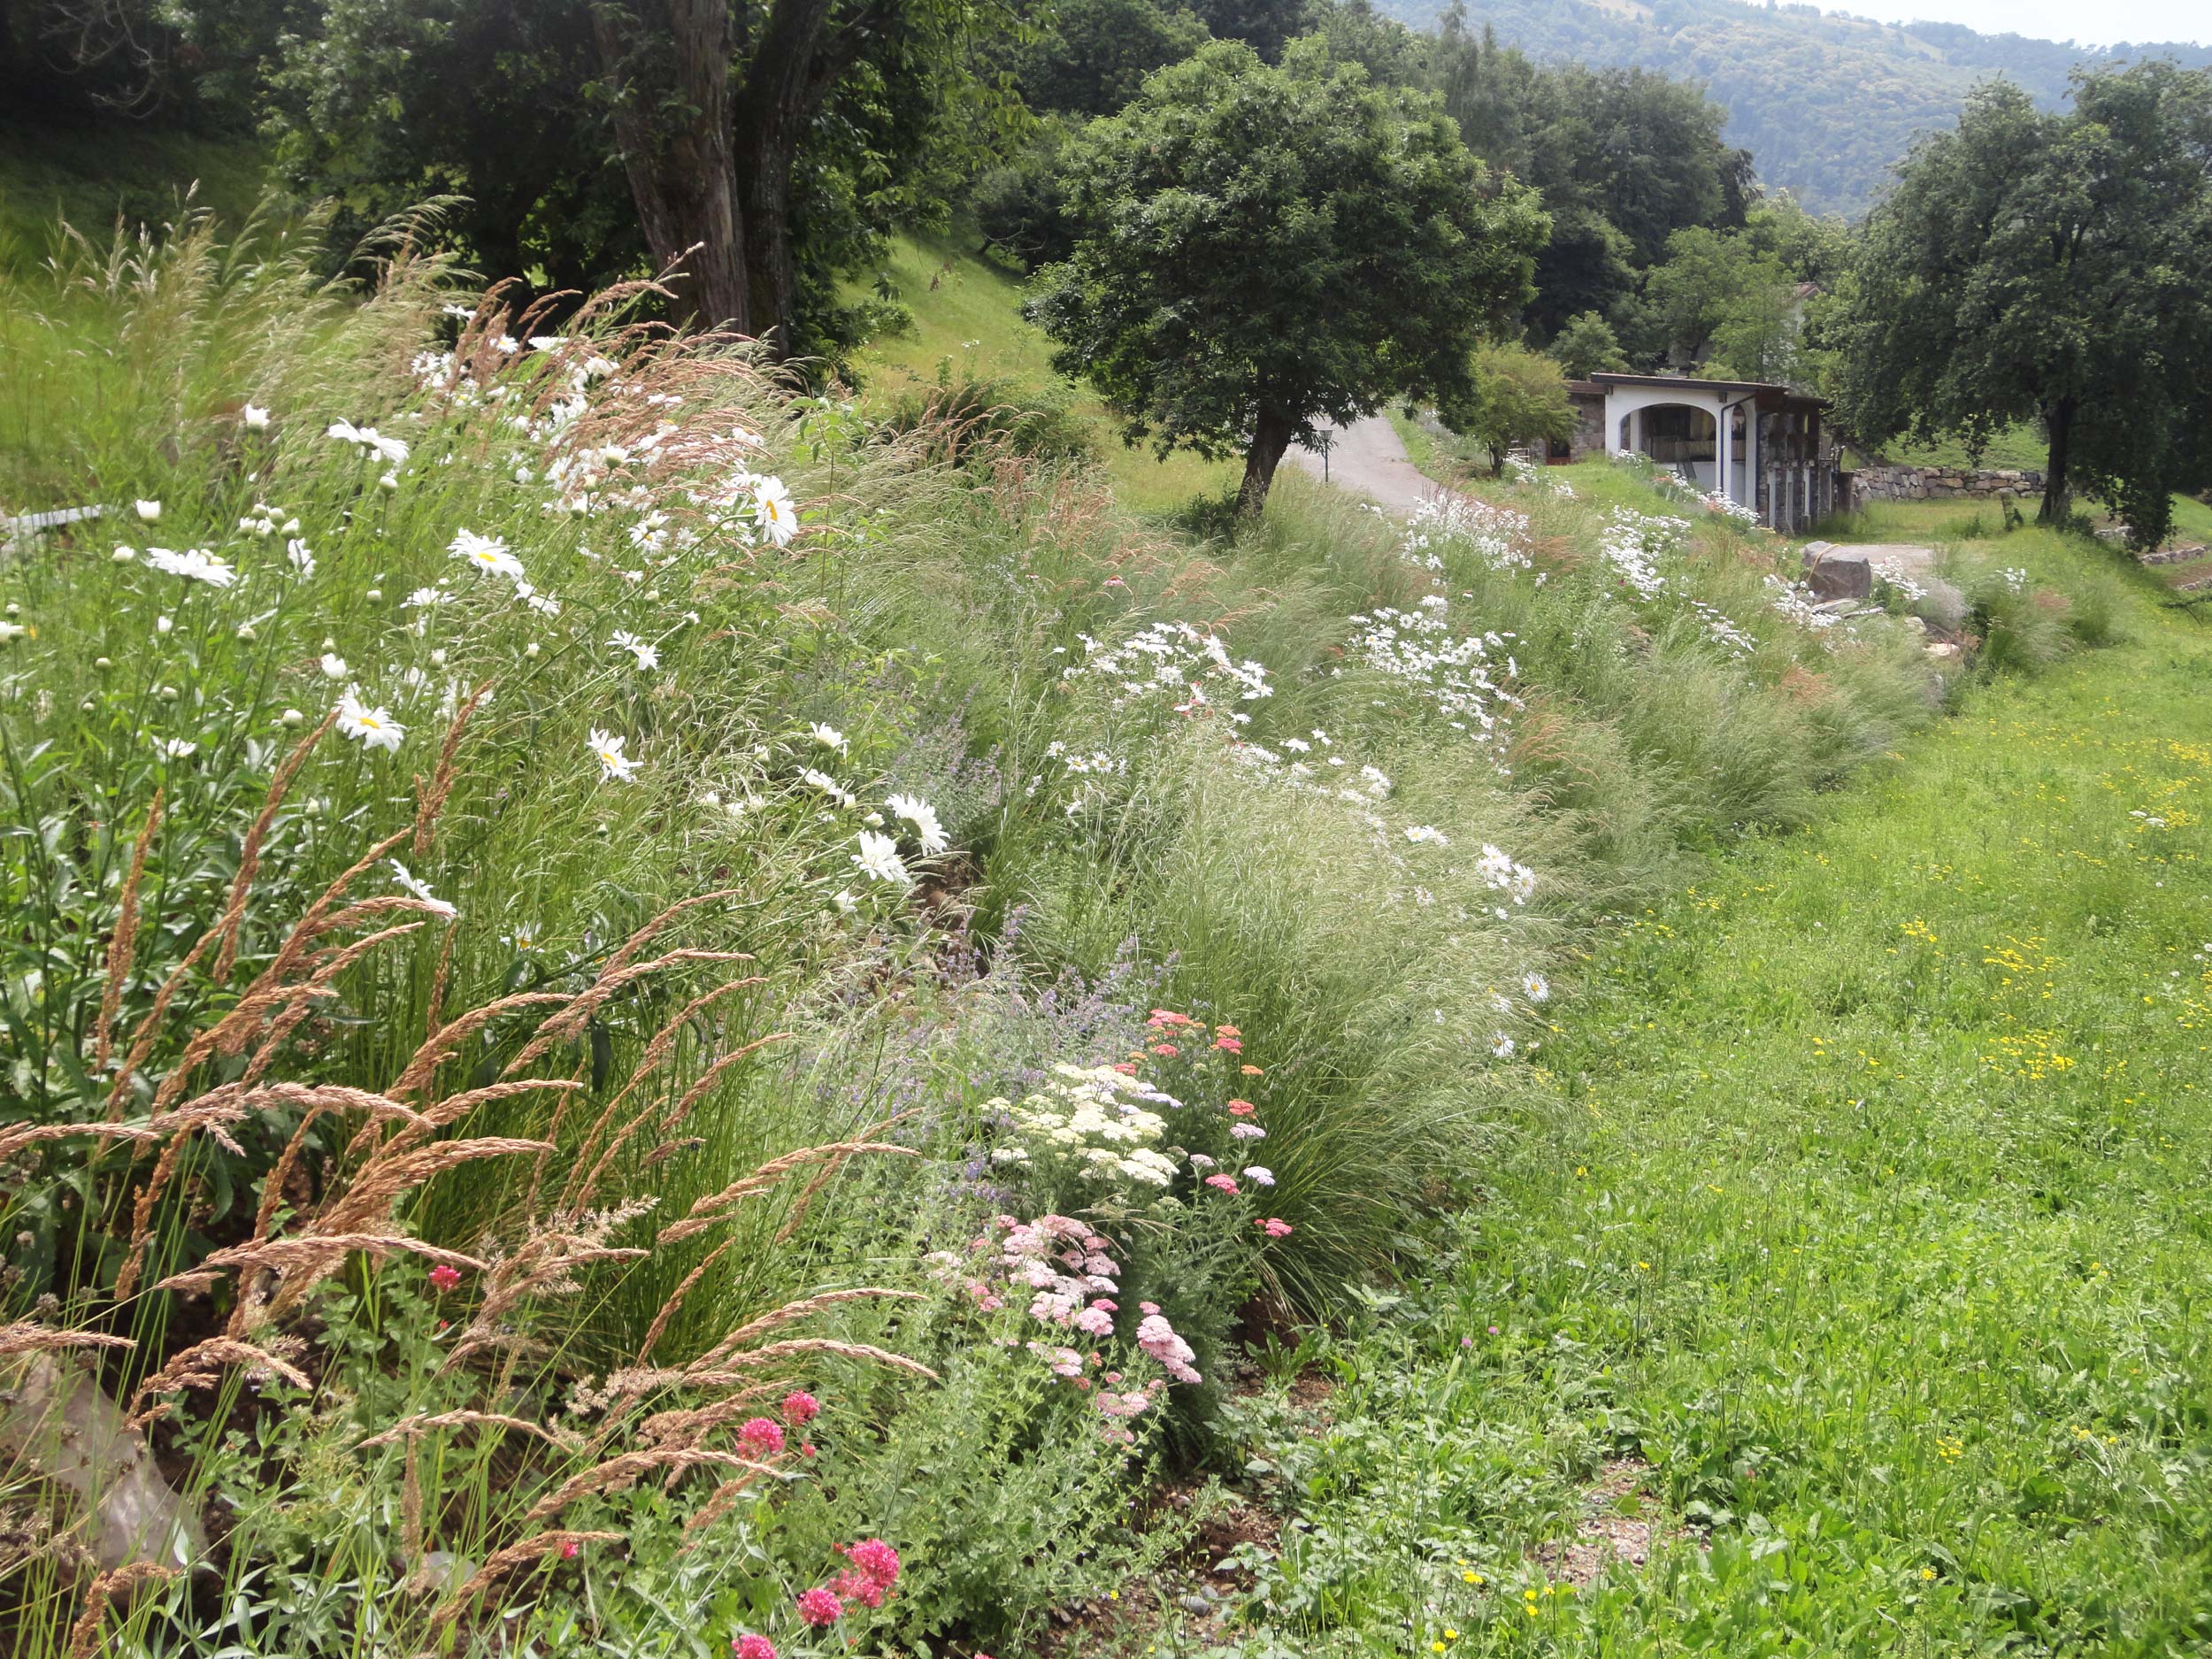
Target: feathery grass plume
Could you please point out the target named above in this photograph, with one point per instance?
(446, 1042)
(582, 1192)
(116, 1584)
(430, 1422)
(429, 803)
(202, 1366)
(707, 1210)
(26, 1336)
(124, 938)
(675, 1299)
(505, 1562)
(569, 1022)
(249, 854)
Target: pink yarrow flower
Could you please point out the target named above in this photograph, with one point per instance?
(1222, 1183)
(1274, 1228)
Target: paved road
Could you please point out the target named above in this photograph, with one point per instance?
(1367, 456)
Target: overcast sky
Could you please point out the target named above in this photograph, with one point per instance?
(2099, 25)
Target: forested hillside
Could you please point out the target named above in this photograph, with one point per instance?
(1826, 102)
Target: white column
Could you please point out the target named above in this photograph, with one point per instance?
(1720, 453)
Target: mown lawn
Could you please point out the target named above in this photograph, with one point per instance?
(1872, 1258)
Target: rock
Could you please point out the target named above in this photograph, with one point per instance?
(1944, 652)
(59, 1422)
(1197, 1604)
(1833, 573)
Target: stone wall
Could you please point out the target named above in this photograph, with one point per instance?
(1942, 483)
(1588, 444)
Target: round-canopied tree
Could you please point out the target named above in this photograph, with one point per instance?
(1265, 248)
(2032, 265)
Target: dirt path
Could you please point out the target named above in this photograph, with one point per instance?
(1368, 457)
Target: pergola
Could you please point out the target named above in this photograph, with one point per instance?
(1757, 443)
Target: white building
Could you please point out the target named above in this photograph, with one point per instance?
(1761, 444)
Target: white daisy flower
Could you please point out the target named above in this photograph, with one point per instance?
(648, 655)
(177, 748)
(1501, 1046)
(334, 666)
(606, 749)
(148, 510)
(196, 564)
(1535, 987)
(302, 561)
(486, 553)
(773, 512)
(421, 890)
(879, 857)
(374, 727)
(830, 737)
(923, 817)
(256, 418)
(828, 786)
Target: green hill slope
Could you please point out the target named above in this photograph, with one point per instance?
(1824, 102)
(968, 325)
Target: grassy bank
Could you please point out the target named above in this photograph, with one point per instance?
(967, 327)
(643, 1011)
(1856, 1301)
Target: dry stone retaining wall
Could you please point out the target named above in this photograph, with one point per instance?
(1941, 483)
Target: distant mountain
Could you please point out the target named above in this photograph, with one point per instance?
(1824, 102)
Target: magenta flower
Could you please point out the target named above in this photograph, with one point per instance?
(443, 1278)
(761, 1436)
(877, 1559)
(801, 1408)
(819, 1606)
(751, 1646)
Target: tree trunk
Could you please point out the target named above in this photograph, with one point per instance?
(1270, 437)
(2058, 418)
(685, 181)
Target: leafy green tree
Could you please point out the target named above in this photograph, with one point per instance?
(1266, 248)
(1092, 56)
(2051, 267)
(1586, 345)
(1713, 286)
(762, 145)
(1265, 25)
(1520, 396)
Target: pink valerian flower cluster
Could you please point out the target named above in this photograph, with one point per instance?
(1157, 1337)
(760, 1437)
(870, 1578)
(801, 1408)
(751, 1646)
